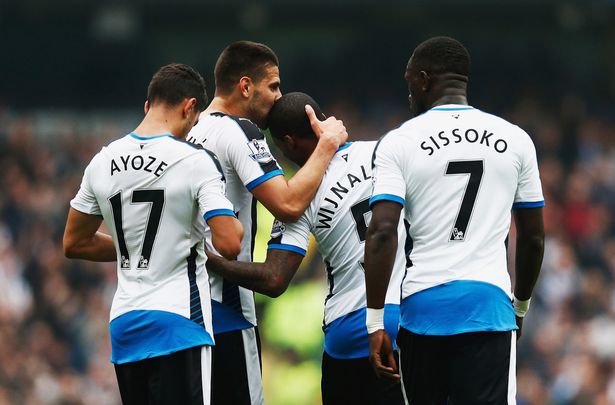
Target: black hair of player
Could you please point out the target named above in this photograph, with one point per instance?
(288, 117)
(440, 55)
(239, 59)
(175, 82)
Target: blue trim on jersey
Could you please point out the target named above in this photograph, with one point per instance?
(147, 138)
(139, 335)
(259, 180)
(215, 213)
(452, 108)
(344, 146)
(226, 319)
(386, 197)
(290, 248)
(535, 204)
(346, 337)
(456, 307)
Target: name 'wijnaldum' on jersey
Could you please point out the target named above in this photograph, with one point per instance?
(471, 135)
(149, 164)
(338, 192)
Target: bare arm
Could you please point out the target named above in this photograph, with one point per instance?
(270, 278)
(226, 234)
(288, 200)
(82, 240)
(528, 257)
(380, 250)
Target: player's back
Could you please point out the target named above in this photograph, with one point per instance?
(463, 170)
(146, 189)
(338, 217)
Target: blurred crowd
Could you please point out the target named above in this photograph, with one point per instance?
(54, 346)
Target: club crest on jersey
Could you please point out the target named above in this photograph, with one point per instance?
(277, 229)
(124, 263)
(259, 154)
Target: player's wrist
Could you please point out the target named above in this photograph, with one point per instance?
(374, 319)
(521, 306)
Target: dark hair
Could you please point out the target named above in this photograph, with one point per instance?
(242, 58)
(288, 116)
(173, 83)
(442, 55)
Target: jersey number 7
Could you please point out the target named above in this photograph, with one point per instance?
(156, 199)
(475, 169)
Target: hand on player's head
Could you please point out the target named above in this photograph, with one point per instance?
(331, 129)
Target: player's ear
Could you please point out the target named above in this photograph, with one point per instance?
(425, 80)
(245, 86)
(146, 107)
(289, 141)
(189, 106)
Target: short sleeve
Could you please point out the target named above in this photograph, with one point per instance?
(250, 155)
(293, 237)
(387, 177)
(85, 201)
(529, 189)
(210, 187)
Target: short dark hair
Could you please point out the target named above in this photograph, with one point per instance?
(288, 116)
(175, 82)
(442, 55)
(242, 58)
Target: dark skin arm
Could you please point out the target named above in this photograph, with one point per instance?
(82, 240)
(270, 278)
(380, 249)
(530, 250)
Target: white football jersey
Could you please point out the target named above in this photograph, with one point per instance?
(458, 172)
(154, 195)
(338, 217)
(246, 161)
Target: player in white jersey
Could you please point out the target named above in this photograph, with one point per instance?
(157, 194)
(338, 217)
(457, 172)
(247, 84)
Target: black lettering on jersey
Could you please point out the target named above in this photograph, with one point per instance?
(503, 146)
(427, 148)
(458, 137)
(353, 179)
(470, 135)
(125, 161)
(324, 220)
(335, 204)
(137, 163)
(475, 135)
(444, 138)
(365, 176)
(339, 191)
(114, 167)
(151, 160)
(134, 163)
(485, 138)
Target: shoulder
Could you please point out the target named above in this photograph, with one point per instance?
(247, 127)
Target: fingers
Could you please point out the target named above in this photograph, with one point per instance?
(314, 121)
(381, 349)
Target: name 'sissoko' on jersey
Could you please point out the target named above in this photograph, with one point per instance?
(482, 137)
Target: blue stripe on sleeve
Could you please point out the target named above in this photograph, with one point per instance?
(386, 197)
(214, 213)
(290, 248)
(260, 180)
(534, 204)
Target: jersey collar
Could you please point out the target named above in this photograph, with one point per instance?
(148, 138)
(452, 107)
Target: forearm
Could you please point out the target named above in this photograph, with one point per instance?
(98, 248)
(380, 250)
(266, 278)
(528, 260)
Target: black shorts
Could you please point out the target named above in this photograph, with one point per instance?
(178, 378)
(236, 368)
(466, 369)
(354, 382)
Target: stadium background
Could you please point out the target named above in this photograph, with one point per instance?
(73, 76)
